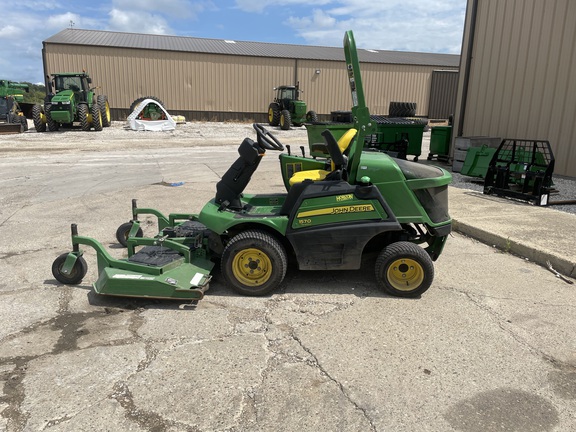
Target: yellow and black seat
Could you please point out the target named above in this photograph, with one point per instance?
(337, 160)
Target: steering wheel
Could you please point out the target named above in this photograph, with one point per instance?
(266, 139)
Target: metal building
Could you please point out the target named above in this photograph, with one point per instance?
(517, 74)
(443, 90)
(212, 79)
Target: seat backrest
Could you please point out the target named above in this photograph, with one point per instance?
(336, 149)
(235, 180)
(338, 162)
(346, 139)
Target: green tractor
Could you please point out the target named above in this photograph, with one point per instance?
(287, 109)
(334, 214)
(13, 89)
(70, 99)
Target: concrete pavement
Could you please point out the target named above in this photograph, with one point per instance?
(540, 234)
(489, 347)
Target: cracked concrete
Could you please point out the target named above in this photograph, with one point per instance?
(489, 347)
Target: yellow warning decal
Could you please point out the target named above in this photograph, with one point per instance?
(361, 208)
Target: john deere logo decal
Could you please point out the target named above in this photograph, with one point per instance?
(361, 208)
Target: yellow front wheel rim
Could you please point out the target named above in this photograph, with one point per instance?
(405, 274)
(252, 267)
(270, 115)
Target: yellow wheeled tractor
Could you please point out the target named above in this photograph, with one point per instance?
(287, 109)
(70, 99)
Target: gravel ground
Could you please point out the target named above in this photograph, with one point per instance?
(566, 186)
(566, 189)
(119, 137)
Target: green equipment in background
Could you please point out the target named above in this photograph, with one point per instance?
(70, 99)
(287, 109)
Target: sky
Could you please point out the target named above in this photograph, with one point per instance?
(398, 25)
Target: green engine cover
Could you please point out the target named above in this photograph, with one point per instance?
(63, 107)
(299, 114)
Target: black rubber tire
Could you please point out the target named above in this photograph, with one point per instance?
(39, 124)
(123, 231)
(273, 114)
(83, 117)
(76, 275)
(137, 102)
(312, 117)
(402, 109)
(404, 269)
(285, 120)
(24, 123)
(96, 117)
(104, 110)
(255, 251)
(50, 124)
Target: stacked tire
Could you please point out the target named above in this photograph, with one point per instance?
(402, 109)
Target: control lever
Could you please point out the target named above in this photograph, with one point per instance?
(302, 150)
(288, 149)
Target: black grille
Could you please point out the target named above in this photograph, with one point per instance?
(435, 202)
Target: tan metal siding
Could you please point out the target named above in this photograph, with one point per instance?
(216, 83)
(443, 90)
(522, 74)
(326, 91)
(193, 82)
(387, 83)
(383, 83)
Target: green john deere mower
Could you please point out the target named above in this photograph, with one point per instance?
(333, 213)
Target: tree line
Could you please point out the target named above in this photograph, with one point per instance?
(36, 93)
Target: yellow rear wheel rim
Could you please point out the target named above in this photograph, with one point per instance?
(252, 267)
(405, 274)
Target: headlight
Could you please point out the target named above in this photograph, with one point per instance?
(65, 103)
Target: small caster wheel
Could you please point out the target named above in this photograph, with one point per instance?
(75, 276)
(124, 230)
